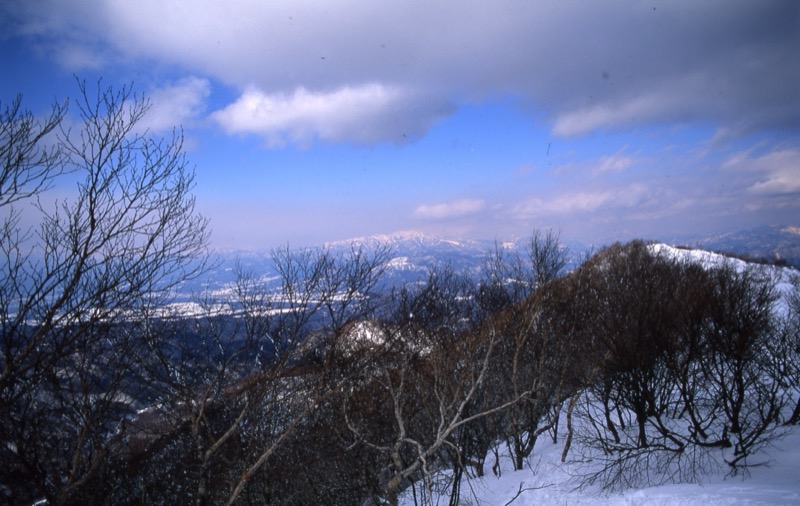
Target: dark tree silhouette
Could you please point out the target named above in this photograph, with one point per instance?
(122, 242)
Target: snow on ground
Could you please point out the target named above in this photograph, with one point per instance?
(781, 275)
(548, 482)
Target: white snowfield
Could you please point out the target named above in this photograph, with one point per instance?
(549, 482)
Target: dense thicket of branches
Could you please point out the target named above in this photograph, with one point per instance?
(328, 389)
(73, 269)
(687, 360)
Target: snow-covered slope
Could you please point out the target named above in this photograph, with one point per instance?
(782, 276)
(549, 482)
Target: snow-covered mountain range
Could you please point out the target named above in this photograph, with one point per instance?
(413, 254)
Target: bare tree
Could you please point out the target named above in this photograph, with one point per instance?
(547, 256)
(249, 373)
(743, 341)
(534, 352)
(128, 236)
(341, 293)
(509, 277)
(686, 359)
(793, 351)
(29, 164)
(428, 374)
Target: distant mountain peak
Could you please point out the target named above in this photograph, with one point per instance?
(394, 238)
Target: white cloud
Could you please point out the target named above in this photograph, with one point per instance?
(176, 104)
(780, 180)
(354, 113)
(715, 62)
(631, 198)
(774, 173)
(612, 164)
(601, 167)
(572, 123)
(455, 209)
(577, 202)
(673, 99)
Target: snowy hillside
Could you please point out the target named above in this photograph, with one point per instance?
(781, 274)
(549, 482)
(773, 478)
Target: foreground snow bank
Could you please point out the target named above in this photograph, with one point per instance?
(548, 481)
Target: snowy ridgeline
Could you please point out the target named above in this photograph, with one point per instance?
(781, 275)
(772, 478)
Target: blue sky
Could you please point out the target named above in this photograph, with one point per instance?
(311, 121)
